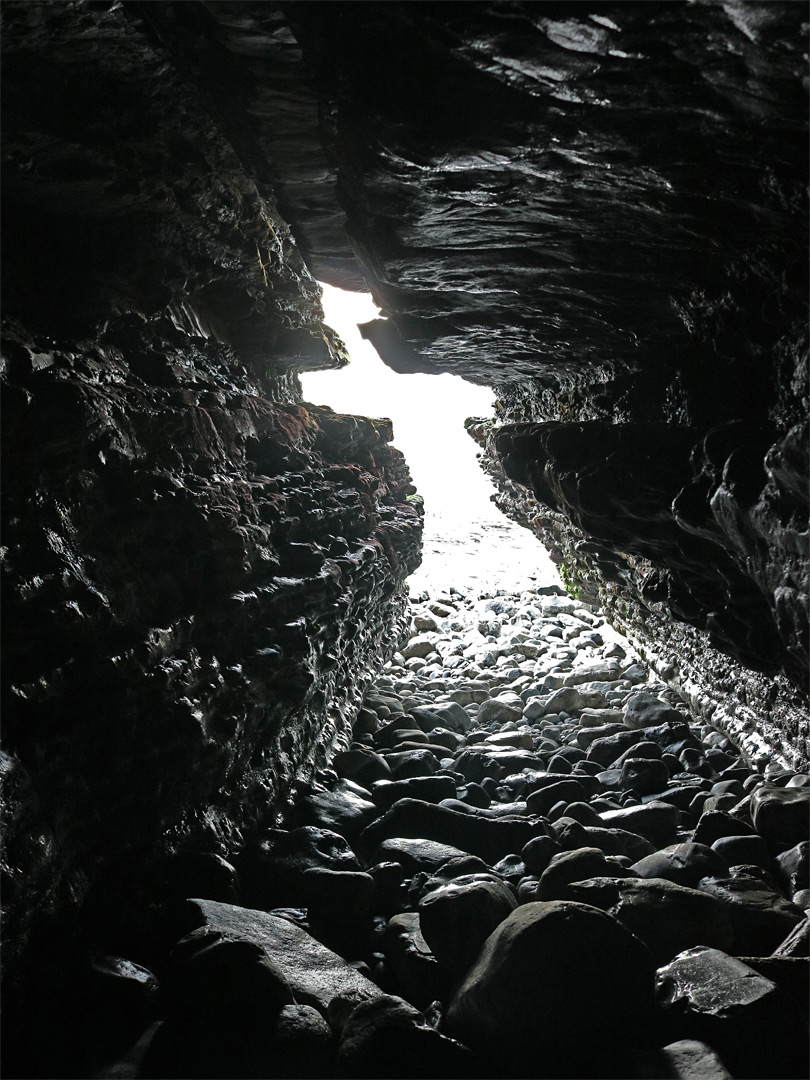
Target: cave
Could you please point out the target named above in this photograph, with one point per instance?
(600, 212)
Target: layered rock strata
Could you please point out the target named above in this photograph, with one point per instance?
(200, 572)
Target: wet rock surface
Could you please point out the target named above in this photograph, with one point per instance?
(471, 934)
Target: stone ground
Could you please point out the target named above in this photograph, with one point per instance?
(532, 861)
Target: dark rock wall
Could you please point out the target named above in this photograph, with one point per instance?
(603, 212)
(200, 573)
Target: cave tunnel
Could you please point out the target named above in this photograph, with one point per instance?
(268, 810)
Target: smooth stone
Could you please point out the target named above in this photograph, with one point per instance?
(642, 749)
(716, 824)
(569, 866)
(686, 1059)
(489, 838)
(416, 854)
(538, 853)
(791, 869)
(520, 740)
(685, 864)
(597, 718)
(761, 918)
(428, 788)
(569, 790)
(419, 646)
(443, 737)
(647, 776)
(387, 736)
(571, 834)
(737, 850)
(781, 815)
(388, 1038)
(584, 813)
(362, 765)
(419, 979)
(314, 973)
(456, 919)
(342, 809)
(413, 761)
(476, 765)
(303, 1045)
(668, 918)
(656, 821)
(593, 671)
(646, 710)
(705, 994)
(511, 868)
(547, 983)
(606, 749)
(272, 870)
(449, 715)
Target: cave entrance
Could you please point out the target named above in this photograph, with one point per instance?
(467, 540)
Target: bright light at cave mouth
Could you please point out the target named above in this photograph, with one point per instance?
(466, 537)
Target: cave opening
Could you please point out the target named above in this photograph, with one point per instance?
(466, 538)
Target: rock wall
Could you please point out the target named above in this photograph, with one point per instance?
(200, 572)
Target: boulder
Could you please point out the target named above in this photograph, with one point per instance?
(657, 820)
(716, 824)
(791, 869)
(646, 710)
(685, 864)
(427, 788)
(457, 918)
(558, 986)
(646, 775)
(315, 974)
(668, 918)
(419, 978)
(345, 809)
(705, 994)
(781, 815)
(542, 800)
(271, 871)
(571, 835)
(415, 854)
(569, 866)
(494, 711)
(489, 838)
(686, 1059)
(761, 918)
(388, 1038)
(737, 850)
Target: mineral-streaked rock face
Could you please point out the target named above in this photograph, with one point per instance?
(600, 213)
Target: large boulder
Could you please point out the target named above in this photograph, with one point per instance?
(457, 918)
(705, 994)
(557, 989)
(314, 973)
(388, 1038)
(489, 838)
(781, 815)
(668, 918)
